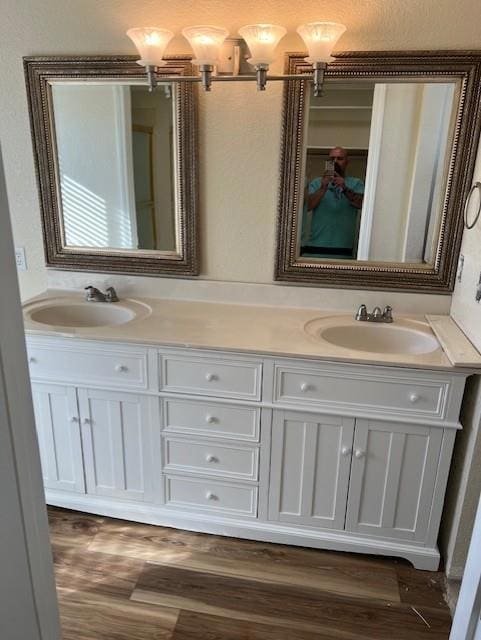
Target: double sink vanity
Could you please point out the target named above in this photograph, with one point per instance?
(284, 425)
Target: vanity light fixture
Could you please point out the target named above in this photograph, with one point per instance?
(320, 39)
(151, 44)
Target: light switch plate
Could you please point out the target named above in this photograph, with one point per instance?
(459, 274)
(20, 258)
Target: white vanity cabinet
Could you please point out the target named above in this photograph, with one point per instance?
(95, 441)
(117, 443)
(310, 466)
(393, 478)
(363, 476)
(298, 451)
(58, 430)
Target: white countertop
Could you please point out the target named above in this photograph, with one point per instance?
(241, 328)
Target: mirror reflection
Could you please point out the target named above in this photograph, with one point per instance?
(375, 167)
(116, 165)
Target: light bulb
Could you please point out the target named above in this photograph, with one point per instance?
(262, 39)
(320, 39)
(206, 42)
(151, 43)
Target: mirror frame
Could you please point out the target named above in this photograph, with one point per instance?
(39, 71)
(463, 66)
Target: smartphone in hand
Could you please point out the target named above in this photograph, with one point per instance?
(329, 168)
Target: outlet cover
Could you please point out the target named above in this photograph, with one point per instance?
(20, 259)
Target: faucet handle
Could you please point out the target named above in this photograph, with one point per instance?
(91, 292)
(111, 295)
(377, 313)
(387, 314)
(361, 313)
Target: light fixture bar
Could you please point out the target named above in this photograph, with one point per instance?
(240, 78)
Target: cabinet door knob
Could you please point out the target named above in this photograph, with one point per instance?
(211, 496)
(359, 453)
(120, 368)
(32, 360)
(414, 397)
(210, 377)
(210, 458)
(210, 419)
(74, 419)
(87, 421)
(305, 386)
(345, 451)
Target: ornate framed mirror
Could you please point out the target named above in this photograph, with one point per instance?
(376, 171)
(116, 164)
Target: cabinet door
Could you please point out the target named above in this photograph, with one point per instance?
(58, 430)
(393, 476)
(117, 443)
(311, 458)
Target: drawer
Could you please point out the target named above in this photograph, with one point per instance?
(377, 392)
(222, 498)
(210, 419)
(211, 458)
(209, 376)
(79, 364)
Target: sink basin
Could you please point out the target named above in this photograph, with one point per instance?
(401, 337)
(76, 313)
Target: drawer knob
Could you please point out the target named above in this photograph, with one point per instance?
(210, 377)
(305, 386)
(414, 397)
(121, 368)
(210, 458)
(211, 496)
(74, 419)
(210, 419)
(32, 360)
(359, 453)
(345, 451)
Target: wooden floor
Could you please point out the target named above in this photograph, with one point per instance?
(119, 580)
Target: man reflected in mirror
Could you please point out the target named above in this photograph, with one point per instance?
(335, 200)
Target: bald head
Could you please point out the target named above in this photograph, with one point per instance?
(340, 157)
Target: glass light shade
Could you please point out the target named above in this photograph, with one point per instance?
(320, 39)
(151, 44)
(262, 39)
(206, 42)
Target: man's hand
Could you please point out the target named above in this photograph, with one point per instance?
(338, 181)
(326, 179)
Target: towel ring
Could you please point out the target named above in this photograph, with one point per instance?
(476, 185)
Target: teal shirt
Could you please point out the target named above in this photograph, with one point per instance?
(334, 220)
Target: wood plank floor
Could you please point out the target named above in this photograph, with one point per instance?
(120, 580)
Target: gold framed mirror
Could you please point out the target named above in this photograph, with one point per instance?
(376, 171)
(116, 164)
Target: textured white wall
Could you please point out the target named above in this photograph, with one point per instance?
(465, 481)
(239, 128)
(465, 310)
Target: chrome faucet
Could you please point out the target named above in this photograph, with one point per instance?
(376, 316)
(95, 295)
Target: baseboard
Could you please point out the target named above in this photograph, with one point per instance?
(426, 558)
